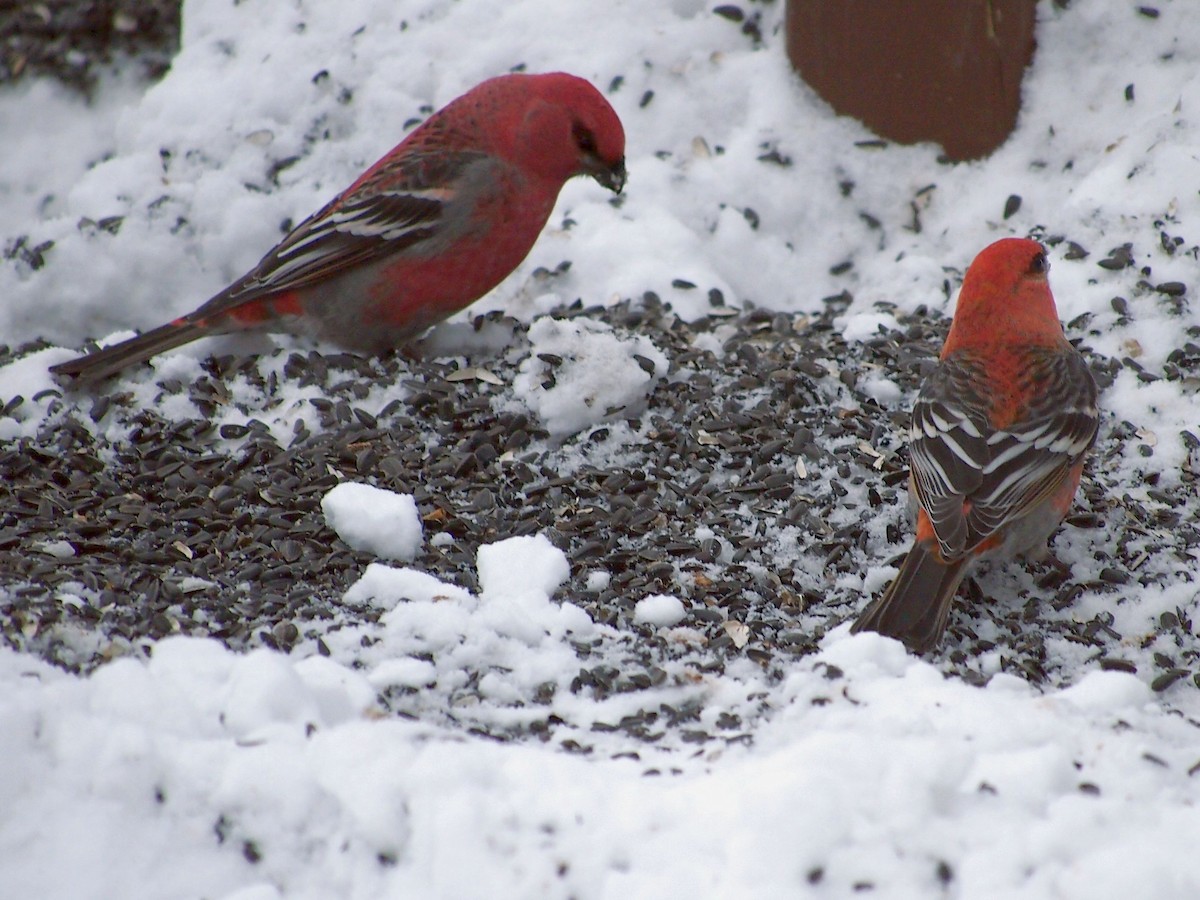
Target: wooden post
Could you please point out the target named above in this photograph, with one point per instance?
(918, 70)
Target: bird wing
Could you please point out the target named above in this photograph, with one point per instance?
(972, 478)
(398, 207)
(1029, 460)
(948, 448)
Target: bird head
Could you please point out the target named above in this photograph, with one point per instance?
(565, 128)
(607, 168)
(1006, 298)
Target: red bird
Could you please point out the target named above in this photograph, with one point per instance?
(997, 443)
(427, 230)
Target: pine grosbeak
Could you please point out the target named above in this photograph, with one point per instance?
(997, 443)
(434, 225)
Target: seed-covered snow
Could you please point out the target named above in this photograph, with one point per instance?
(672, 709)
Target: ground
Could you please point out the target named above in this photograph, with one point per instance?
(652, 478)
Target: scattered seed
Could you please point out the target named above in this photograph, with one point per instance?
(1118, 258)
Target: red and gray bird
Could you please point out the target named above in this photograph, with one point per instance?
(999, 434)
(430, 228)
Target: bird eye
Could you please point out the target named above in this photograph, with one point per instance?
(1039, 265)
(584, 139)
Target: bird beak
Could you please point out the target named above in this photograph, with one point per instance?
(611, 177)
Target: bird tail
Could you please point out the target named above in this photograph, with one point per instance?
(916, 606)
(100, 364)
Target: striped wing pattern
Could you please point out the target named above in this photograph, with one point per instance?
(973, 478)
(397, 209)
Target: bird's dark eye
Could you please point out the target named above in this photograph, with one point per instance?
(584, 139)
(1039, 265)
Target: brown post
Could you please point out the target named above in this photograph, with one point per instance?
(918, 70)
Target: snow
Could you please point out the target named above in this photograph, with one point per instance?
(205, 772)
(599, 377)
(379, 521)
(659, 609)
(880, 774)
